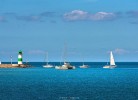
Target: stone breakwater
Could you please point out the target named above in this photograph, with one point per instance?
(14, 65)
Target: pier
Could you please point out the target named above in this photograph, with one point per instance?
(19, 65)
(14, 65)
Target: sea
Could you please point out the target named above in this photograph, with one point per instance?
(93, 83)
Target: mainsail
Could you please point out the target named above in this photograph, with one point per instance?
(112, 61)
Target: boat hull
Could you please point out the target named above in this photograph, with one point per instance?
(48, 66)
(109, 66)
(66, 66)
(84, 66)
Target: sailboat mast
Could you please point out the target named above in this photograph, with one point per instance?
(47, 57)
(82, 59)
(65, 53)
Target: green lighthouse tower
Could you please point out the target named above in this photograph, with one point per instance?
(20, 60)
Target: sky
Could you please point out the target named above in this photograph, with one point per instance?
(89, 29)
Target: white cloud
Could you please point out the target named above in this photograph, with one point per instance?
(102, 16)
(76, 15)
(36, 52)
(120, 51)
(29, 18)
(133, 13)
(7, 52)
(2, 19)
(82, 15)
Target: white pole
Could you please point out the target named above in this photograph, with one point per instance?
(11, 59)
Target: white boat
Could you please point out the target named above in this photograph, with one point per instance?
(112, 62)
(65, 66)
(47, 65)
(84, 66)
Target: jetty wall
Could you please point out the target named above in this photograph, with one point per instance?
(14, 65)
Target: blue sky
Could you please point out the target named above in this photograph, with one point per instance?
(90, 29)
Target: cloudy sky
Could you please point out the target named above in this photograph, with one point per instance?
(88, 28)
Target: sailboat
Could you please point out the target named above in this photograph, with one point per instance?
(66, 64)
(47, 65)
(83, 65)
(112, 62)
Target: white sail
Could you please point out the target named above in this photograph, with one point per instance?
(112, 61)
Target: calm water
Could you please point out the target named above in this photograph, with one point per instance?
(94, 83)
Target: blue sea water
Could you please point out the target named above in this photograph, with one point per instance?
(94, 83)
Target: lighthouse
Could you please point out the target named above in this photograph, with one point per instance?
(20, 60)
